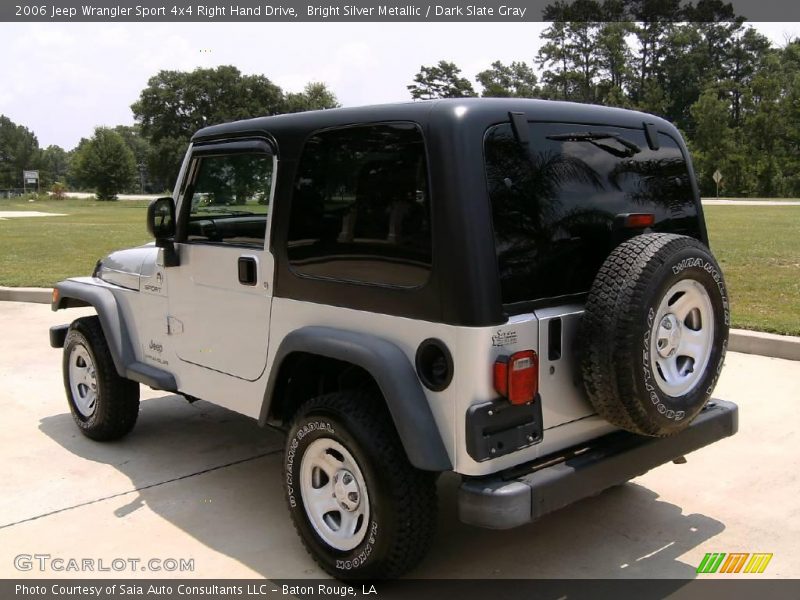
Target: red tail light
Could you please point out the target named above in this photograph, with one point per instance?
(516, 377)
(639, 220)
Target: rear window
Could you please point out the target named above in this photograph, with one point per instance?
(554, 205)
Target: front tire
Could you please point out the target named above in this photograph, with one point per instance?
(104, 405)
(361, 509)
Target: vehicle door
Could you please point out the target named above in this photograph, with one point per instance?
(220, 294)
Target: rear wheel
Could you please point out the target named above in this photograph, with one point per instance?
(103, 404)
(361, 509)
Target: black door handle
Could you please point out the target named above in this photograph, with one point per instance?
(248, 273)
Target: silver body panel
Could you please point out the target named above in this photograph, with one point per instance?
(220, 340)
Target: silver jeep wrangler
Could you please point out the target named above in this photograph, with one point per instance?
(518, 291)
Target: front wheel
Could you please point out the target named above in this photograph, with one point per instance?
(103, 404)
(361, 509)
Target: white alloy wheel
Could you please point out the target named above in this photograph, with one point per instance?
(334, 494)
(682, 337)
(83, 380)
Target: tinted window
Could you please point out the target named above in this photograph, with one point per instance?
(554, 206)
(230, 197)
(361, 210)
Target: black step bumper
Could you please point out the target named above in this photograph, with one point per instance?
(529, 491)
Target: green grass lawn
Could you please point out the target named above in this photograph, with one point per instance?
(758, 248)
(39, 251)
(759, 251)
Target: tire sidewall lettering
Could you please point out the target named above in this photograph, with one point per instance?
(709, 267)
(310, 430)
(363, 555)
(701, 269)
(291, 453)
(73, 339)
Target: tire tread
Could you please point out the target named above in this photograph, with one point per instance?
(413, 491)
(120, 408)
(609, 325)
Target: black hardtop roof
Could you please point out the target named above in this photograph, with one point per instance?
(466, 110)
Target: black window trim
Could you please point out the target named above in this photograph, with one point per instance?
(371, 284)
(225, 147)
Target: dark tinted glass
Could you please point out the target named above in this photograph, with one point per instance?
(361, 210)
(554, 208)
(230, 200)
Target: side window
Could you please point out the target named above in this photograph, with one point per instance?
(230, 199)
(361, 208)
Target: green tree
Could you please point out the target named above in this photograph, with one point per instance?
(583, 28)
(442, 80)
(790, 117)
(586, 55)
(142, 154)
(713, 142)
(763, 129)
(655, 22)
(516, 80)
(106, 164)
(614, 56)
(746, 55)
(19, 150)
(315, 96)
(175, 104)
(53, 165)
(554, 58)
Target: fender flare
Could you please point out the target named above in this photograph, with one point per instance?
(74, 294)
(395, 376)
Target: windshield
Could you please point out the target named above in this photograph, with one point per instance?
(554, 205)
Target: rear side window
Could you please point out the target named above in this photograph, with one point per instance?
(555, 206)
(361, 209)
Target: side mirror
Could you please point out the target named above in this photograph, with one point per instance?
(161, 218)
(161, 225)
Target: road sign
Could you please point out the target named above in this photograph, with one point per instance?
(717, 177)
(30, 177)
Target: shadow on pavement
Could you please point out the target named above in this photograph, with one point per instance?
(217, 476)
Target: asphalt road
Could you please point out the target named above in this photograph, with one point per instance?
(199, 482)
(749, 202)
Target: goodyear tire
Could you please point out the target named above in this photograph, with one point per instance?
(360, 508)
(654, 333)
(104, 405)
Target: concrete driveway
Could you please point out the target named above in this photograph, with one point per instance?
(198, 482)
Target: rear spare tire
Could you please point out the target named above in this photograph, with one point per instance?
(654, 333)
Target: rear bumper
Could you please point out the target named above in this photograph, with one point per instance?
(529, 491)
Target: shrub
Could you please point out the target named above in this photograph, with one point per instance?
(58, 191)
